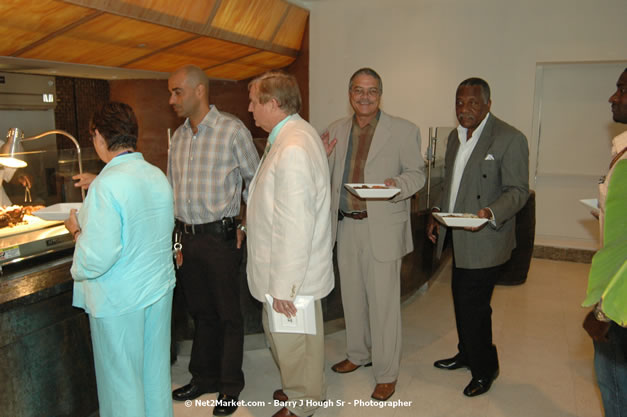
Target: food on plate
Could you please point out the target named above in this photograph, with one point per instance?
(370, 187)
(463, 215)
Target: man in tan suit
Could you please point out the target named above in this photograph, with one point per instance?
(372, 235)
(290, 251)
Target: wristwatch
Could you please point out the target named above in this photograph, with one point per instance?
(599, 315)
(241, 227)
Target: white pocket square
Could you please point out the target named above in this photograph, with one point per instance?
(489, 157)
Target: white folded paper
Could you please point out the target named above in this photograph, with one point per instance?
(303, 322)
(593, 203)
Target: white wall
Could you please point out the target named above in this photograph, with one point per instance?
(572, 130)
(424, 48)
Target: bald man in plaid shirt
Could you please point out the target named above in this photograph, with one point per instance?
(211, 162)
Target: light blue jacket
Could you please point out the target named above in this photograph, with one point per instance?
(123, 255)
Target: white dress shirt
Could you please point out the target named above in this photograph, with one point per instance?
(461, 159)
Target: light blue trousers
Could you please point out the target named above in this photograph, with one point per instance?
(132, 361)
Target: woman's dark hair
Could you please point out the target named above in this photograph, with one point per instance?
(117, 124)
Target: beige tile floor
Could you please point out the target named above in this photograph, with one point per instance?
(545, 358)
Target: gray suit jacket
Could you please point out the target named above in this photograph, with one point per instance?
(394, 153)
(500, 182)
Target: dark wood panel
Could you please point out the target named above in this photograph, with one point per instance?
(46, 359)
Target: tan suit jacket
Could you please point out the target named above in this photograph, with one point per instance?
(394, 153)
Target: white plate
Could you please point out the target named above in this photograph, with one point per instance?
(59, 211)
(386, 192)
(454, 220)
(593, 203)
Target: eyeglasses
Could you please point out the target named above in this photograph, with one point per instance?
(360, 92)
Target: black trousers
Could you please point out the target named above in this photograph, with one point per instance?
(209, 278)
(472, 292)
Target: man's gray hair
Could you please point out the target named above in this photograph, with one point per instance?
(280, 86)
(366, 71)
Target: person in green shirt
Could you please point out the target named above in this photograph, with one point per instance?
(607, 283)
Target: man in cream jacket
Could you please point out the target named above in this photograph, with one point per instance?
(289, 236)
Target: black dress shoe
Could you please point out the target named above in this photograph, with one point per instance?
(225, 405)
(189, 392)
(479, 386)
(451, 363)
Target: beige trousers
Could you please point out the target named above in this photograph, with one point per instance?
(300, 359)
(371, 296)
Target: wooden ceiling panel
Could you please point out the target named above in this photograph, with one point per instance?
(203, 52)
(79, 51)
(192, 11)
(168, 61)
(107, 40)
(250, 66)
(231, 39)
(267, 60)
(218, 49)
(166, 12)
(25, 22)
(291, 32)
(234, 71)
(256, 19)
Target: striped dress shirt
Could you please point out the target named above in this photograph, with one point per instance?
(211, 170)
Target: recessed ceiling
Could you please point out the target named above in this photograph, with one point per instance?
(118, 39)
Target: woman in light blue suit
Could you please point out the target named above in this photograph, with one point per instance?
(123, 272)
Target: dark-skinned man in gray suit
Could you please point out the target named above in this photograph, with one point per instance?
(486, 174)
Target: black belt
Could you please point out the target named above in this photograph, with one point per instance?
(356, 215)
(218, 227)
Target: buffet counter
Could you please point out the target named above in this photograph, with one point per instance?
(46, 365)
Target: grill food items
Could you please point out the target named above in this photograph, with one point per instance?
(30, 209)
(13, 215)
